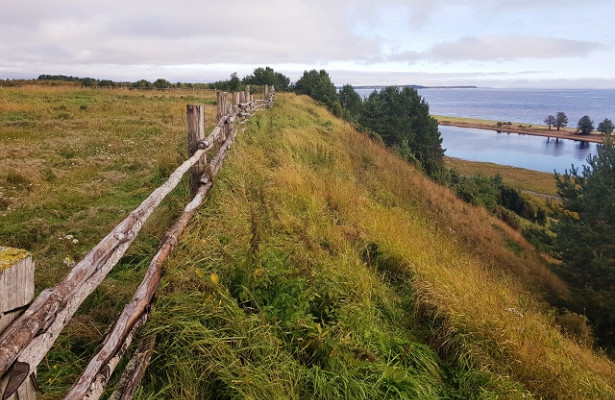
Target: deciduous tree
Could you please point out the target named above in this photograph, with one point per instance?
(318, 85)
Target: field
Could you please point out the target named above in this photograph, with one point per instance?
(73, 163)
(322, 265)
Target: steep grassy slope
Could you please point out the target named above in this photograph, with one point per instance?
(325, 267)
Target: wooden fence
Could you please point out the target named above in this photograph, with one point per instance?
(25, 341)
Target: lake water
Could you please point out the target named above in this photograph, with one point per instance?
(523, 151)
(527, 106)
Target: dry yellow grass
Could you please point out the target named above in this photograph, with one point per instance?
(485, 300)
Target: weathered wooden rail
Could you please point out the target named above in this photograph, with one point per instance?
(26, 340)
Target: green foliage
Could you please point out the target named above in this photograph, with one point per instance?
(161, 83)
(351, 103)
(401, 118)
(497, 197)
(585, 232)
(267, 76)
(318, 85)
(561, 120)
(550, 121)
(606, 126)
(585, 126)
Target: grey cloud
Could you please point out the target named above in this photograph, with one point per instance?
(508, 47)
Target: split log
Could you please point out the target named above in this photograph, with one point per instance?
(93, 380)
(131, 378)
(29, 338)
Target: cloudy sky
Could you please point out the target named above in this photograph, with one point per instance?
(499, 43)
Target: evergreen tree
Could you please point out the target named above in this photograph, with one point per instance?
(585, 125)
(351, 103)
(561, 120)
(550, 121)
(402, 118)
(585, 232)
(606, 127)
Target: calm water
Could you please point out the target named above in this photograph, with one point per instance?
(524, 151)
(517, 105)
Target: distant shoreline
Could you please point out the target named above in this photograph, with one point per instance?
(524, 129)
(376, 87)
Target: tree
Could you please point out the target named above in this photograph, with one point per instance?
(585, 232)
(351, 103)
(318, 85)
(550, 121)
(162, 83)
(401, 118)
(267, 76)
(561, 120)
(234, 83)
(585, 126)
(606, 127)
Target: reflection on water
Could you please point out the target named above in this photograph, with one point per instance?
(524, 151)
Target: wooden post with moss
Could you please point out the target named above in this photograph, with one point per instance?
(196, 135)
(16, 292)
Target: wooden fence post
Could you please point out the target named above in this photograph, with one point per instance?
(196, 134)
(16, 292)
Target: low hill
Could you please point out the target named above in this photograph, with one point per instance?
(325, 267)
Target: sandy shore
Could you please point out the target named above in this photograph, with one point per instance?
(537, 130)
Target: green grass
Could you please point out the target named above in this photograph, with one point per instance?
(322, 266)
(325, 267)
(73, 163)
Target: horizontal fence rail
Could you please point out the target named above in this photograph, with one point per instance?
(26, 341)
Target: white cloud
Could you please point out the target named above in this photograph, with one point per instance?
(198, 39)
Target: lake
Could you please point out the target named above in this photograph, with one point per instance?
(524, 151)
(528, 106)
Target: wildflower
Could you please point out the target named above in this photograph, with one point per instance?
(215, 278)
(75, 241)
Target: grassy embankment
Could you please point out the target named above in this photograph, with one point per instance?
(321, 267)
(325, 267)
(527, 129)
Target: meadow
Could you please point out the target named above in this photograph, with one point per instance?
(322, 266)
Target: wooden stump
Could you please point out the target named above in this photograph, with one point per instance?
(16, 284)
(16, 292)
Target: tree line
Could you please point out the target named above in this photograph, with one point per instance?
(585, 125)
(398, 117)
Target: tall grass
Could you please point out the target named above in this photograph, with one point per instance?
(325, 267)
(73, 163)
(322, 266)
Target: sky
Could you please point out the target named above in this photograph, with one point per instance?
(487, 43)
